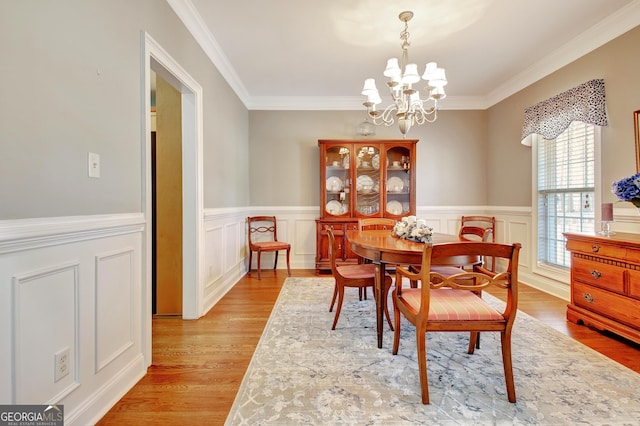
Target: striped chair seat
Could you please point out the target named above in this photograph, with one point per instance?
(447, 304)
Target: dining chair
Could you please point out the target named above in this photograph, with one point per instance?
(479, 228)
(374, 223)
(263, 237)
(360, 275)
(454, 303)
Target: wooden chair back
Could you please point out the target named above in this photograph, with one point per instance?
(263, 237)
(479, 228)
(262, 229)
(376, 223)
(453, 303)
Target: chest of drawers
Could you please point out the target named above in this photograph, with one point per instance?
(605, 282)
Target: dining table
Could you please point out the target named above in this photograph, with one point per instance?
(382, 248)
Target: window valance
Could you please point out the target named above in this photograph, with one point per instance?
(552, 117)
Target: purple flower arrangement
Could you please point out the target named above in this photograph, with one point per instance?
(628, 189)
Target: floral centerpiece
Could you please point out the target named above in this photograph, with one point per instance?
(411, 228)
(628, 189)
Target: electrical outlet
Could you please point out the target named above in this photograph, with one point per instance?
(61, 364)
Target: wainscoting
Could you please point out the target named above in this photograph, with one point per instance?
(81, 286)
(71, 286)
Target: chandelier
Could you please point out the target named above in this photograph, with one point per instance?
(407, 106)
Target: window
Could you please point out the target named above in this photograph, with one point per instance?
(565, 190)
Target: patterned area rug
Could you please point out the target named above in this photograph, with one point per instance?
(304, 373)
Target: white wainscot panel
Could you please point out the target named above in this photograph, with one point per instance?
(305, 233)
(45, 323)
(519, 232)
(230, 246)
(213, 254)
(114, 306)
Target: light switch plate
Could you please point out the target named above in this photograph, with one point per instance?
(94, 165)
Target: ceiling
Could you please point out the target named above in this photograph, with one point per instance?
(297, 54)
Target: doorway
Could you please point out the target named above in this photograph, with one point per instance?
(156, 59)
(166, 198)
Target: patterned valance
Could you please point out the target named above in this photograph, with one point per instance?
(552, 117)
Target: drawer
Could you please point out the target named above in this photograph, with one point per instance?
(634, 284)
(336, 227)
(595, 248)
(602, 275)
(352, 226)
(620, 308)
(633, 255)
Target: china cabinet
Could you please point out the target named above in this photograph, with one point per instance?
(359, 179)
(605, 282)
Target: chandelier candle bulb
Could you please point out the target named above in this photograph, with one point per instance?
(607, 212)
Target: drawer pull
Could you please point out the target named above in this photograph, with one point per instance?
(596, 274)
(589, 298)
(595, 248)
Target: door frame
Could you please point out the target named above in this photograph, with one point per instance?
(157, 59)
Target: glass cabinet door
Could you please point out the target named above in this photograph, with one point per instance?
(367, 180)
(338, 184)
(398, 183)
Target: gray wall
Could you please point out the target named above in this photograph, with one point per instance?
(284, 155)
(70, 83)
(510, 162)
(465, 158)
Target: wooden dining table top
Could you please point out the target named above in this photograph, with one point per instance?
(382, 246)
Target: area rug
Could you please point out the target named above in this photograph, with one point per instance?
(302, 372)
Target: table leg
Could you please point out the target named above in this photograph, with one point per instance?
(380, 302)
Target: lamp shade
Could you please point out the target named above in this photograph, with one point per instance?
(410, 74)
(429, 70)
(437, 93)
(369, 87)
(392, 70)
(414, 99)
(374, 98)
(438, 79)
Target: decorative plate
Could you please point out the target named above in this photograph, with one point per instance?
(334, 184)
(345, 161)
(334, 207)
(364, 182)
(395, 184)
(394, 207)
(375, 161)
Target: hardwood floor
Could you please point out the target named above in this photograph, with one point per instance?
(198, 365)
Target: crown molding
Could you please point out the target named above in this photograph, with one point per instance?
(194, 23)
(606, 30)
(347, 103)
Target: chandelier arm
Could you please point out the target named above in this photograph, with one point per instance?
(427, 116)
(385, 117)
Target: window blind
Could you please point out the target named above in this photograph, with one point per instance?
(566, 190)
